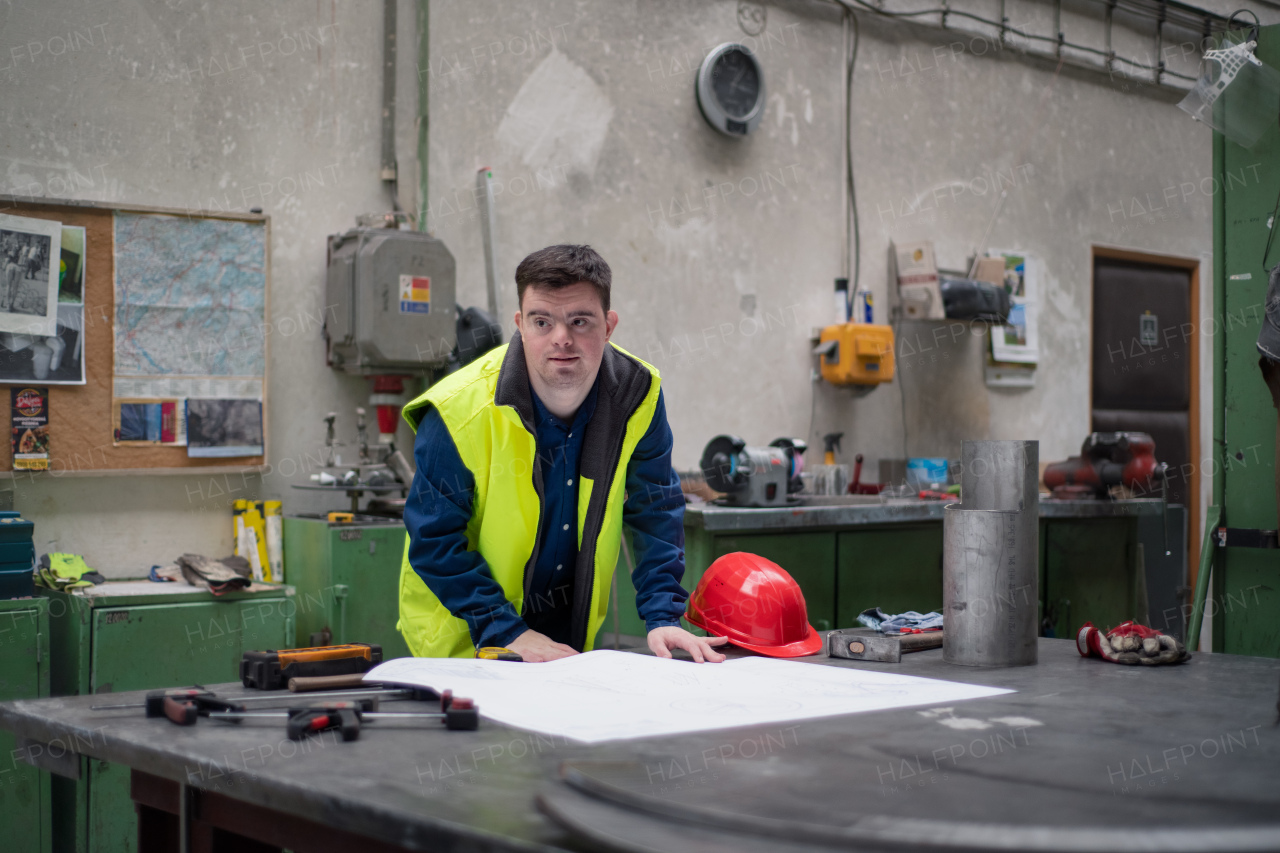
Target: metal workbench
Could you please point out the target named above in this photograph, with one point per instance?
(1082, 743)
(865, 510)
(852, 552)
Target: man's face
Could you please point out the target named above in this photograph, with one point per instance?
(564, 331)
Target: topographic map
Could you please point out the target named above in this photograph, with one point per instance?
(190, 297)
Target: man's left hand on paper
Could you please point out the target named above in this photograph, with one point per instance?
(539, 648)
(663, 640)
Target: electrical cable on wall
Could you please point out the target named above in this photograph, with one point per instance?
(852, 253)
(390, 170)
(852, 64)
(424, 103)
(1163, 13)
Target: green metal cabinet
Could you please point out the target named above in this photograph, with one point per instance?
(1088, 573)
(895, 568)
(1246, 595)
(25, 797)
(347, 577)
(136, 635)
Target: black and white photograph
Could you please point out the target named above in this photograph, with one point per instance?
(219, 428)
(56, 359)
(30, 249)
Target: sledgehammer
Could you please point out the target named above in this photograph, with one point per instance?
(867, 644)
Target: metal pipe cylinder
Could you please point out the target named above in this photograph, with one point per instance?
(1001, 475)
(990, 589)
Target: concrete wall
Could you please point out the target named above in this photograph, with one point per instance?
(723, 250)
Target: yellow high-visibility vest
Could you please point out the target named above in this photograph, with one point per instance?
(488, 410)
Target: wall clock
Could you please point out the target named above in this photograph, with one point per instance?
(731, 89)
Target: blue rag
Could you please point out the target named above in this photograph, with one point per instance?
(887, 624)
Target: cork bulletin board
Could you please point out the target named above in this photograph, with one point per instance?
(83, 418)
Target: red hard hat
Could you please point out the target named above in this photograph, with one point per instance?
(756, 604)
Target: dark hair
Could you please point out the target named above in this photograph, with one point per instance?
(562, 266)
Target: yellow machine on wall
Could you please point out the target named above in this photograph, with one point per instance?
(856, 354)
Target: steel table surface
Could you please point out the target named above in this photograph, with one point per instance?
(860, 510)
(1080, 742)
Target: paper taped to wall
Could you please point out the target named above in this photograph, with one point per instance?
(609, 695)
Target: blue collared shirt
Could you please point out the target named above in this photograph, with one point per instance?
(440, 503)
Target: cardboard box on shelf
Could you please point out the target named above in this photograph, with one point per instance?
(915, 273)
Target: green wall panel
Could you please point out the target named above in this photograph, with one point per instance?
(1247, 182)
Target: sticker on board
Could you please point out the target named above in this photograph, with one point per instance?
(415, 294)
(30, 416)
(1148, 329)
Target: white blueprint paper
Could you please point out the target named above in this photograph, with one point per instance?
(609, 695)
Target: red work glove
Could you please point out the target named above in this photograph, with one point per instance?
(1131, 644)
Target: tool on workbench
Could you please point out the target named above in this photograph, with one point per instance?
(856, 486)
(185, 706)
(1109, 459)
(1112, 459)
(498, 653)
(271, 670)
(303, 722)
(341, 517)
(181, 706)
(372, 690)
(300, 722)
(330, 682)
(754, 476)
(456, 714)
(866, 644)
(949, 494)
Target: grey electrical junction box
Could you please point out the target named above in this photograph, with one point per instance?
(389, 302)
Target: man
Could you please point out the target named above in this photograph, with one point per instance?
(34, 260)
(12, 278)
(529, 461)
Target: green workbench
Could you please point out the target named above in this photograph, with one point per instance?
(347, 578)
(850, 554)
(25, 811)
(139, 635)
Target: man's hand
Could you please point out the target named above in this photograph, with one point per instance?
(538, 648)
(663, 640)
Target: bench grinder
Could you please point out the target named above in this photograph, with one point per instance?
(754, 476)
